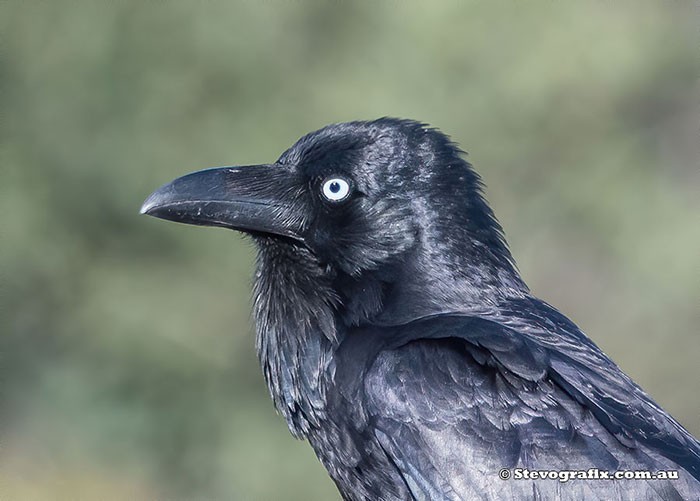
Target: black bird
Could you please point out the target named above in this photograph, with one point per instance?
(396, 335)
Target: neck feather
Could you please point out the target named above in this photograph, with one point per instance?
(296, 330)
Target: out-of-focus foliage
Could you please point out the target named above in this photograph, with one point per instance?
(128, 366)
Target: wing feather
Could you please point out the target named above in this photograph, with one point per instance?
(464, 396)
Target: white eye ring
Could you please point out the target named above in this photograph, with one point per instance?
(336, 189)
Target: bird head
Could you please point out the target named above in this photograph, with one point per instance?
(389, 207)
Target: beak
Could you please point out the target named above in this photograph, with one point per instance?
(256, 199)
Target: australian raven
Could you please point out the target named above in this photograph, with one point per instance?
(396, 335)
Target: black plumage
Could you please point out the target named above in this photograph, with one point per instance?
(396, 335)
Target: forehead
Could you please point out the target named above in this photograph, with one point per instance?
(360, 150)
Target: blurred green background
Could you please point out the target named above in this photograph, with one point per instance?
(127, 358)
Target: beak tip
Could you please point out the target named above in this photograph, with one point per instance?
(147, 206)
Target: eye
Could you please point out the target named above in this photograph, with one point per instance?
(336, 189)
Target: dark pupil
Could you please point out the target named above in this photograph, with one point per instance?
(335, 187)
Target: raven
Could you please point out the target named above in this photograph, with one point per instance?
(396, 335)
